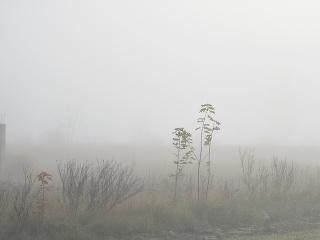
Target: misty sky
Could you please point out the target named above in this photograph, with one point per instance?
(132, 71)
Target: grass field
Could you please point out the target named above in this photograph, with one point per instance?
(94, 200)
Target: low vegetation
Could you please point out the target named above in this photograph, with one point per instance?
(84, 200)
(93, 201)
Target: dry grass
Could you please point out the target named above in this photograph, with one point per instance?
(269, 198)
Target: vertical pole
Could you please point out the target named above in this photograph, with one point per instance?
(2, 147)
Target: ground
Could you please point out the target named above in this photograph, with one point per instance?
(298, 230)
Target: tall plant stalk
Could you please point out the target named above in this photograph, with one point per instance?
(181, 141)
(208, 125)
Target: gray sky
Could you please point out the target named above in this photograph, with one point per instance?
(131, 71)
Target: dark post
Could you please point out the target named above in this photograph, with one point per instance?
(2, 145)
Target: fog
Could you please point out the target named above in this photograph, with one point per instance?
(128, 72)
(95, 95)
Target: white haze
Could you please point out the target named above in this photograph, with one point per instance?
(132, 71)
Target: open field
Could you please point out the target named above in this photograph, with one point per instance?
(159, 120)
(252, 196)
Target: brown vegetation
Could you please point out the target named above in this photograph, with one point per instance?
(96, 200)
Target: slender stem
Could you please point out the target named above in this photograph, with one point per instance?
(200, 155)
(209, 168)
(209, 160)
(177, 169)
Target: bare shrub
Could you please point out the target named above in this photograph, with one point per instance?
(264, 179)
(283, 175)
(22, 199)
(74, 176)
(280, 177)
(93, 189)
(249, 178)
(111, 184)
(227, 189)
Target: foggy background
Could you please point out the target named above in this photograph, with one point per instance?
(110, 72)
